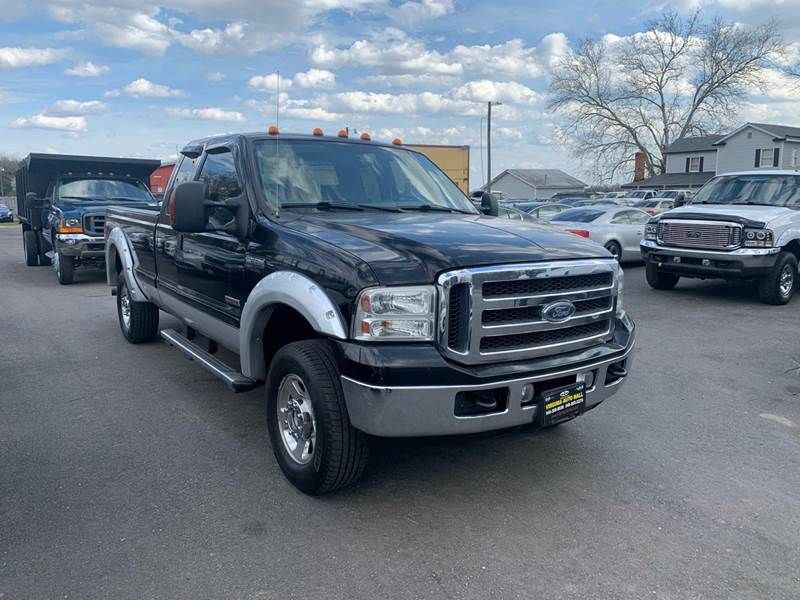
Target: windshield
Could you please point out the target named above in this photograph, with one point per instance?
(103, 189)
(647, 203)
(578, 215)
(769, 190)
(311, 173)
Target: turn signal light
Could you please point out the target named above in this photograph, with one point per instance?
(343, 133)
(580, 232)
(273, 130)
(365, 137)
(317, 131)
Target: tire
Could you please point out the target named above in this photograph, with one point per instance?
(659, 280)
(141, 324)
(615, 249)
(331, 453)
(65, 268)
(30, 244)
(779, 285)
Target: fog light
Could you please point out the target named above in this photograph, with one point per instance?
(676, 259)
(706, 262)
(69, 242)
(527, 393)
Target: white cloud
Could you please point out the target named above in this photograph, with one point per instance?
(143, 88)
(211, 113)
(496, 91)
(74, 107)
(13, 58)
(42, 121)
(216, 76)
(269, 83)
(88, 69)
(313, 78)
(415, 12)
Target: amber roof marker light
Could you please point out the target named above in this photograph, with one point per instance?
(317, 131)
(343, 133)
(397, 142)
(273, 130)
(366, 137)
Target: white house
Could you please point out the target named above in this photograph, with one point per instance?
(693, 161)
(535, 183)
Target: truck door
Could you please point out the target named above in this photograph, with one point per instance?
(211, 265)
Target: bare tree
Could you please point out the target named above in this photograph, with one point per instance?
(680, 77)
(8, 166)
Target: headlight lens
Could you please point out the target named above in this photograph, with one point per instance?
(651, 231)
(401, 313)
(620, 290)
(758, 238)
(70, 225)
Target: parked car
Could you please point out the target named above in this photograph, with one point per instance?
(513, 213)
(6, 215)
(640, 194)
(680, 197)
(545, 212)
(739, 226)
(618, 229)
(571, 201)
(367, 294)
(64, 200)
(655, 206)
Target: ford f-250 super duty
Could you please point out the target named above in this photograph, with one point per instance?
(361, 286)
(739, 226)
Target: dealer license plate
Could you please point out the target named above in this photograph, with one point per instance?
(562, 403)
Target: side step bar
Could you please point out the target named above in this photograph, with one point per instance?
(233, 378)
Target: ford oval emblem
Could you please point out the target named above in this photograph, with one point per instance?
(558, 311)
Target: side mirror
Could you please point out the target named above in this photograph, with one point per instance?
(189, 209)
(489, 204)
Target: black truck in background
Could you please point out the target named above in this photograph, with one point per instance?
(62, 203)
(364, 290)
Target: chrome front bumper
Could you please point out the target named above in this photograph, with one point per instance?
(408, 411)
(81, 245)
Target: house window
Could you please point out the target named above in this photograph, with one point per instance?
(767, 157)
(795, 160)
(695, 164)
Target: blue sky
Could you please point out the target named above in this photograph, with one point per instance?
(140, 78)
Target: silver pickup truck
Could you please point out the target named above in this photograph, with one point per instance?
(739, 226)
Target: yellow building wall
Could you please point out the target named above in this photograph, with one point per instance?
(453, 160)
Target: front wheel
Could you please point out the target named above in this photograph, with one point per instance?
(615, 249)
(65, 268)
(138, 320)
(779, 285)
(658, 279)
(316, 447)
(30, 244)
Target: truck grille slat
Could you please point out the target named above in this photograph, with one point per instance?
(496, 313)
(693, 234)
(94, 224)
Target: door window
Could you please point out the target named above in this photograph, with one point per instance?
(622, 217)
(219, 173)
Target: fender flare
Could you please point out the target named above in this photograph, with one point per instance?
(117, 245)
(291, 289)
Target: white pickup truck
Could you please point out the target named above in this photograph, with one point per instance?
(739, 226)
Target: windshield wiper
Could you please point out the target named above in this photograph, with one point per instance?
(127, 199)
(433, 208)
(79, 198)
(394, 209)
(322, 205)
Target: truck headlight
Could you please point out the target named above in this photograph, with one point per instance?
(620, 290)
(70, 225)
(651, 231)
(395, 313)
(758, 238)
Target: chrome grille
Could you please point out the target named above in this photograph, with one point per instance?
(700, 234)
(94, 224)
(492, 314)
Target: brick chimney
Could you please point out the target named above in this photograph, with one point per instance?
(638, 166)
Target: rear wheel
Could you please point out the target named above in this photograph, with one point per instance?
(658, 279)
(30, 244)
(65, 268)
(779, 285)
(138, 320)
(314, 443)
(615, 250)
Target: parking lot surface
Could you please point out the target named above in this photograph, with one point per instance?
(129, 472)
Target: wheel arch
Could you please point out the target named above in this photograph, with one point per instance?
(290, 305)
(120, 260)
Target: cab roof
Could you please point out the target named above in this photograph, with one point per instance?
(263, 135)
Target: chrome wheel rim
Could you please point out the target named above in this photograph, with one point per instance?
(296, 423)
(125, 308)
(787, 280)
(615, 252)
(57, 264)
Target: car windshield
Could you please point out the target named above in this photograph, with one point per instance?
(578, 215)
(84, 190)
(312, 173)
(767, 189)
(647, 203)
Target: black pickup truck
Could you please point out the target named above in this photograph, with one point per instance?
(368, 294)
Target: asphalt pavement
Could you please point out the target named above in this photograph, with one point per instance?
(128, 472)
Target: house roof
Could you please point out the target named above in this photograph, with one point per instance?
(671, 180)
(543, 178)
(694, 144)
(778, 131)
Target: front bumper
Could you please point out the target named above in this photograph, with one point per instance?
(429, 410)
(741, 263)
(85, 247)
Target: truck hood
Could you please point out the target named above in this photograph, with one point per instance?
(752, 216)
(413, 248)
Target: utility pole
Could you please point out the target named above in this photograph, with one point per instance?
(489, 144)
